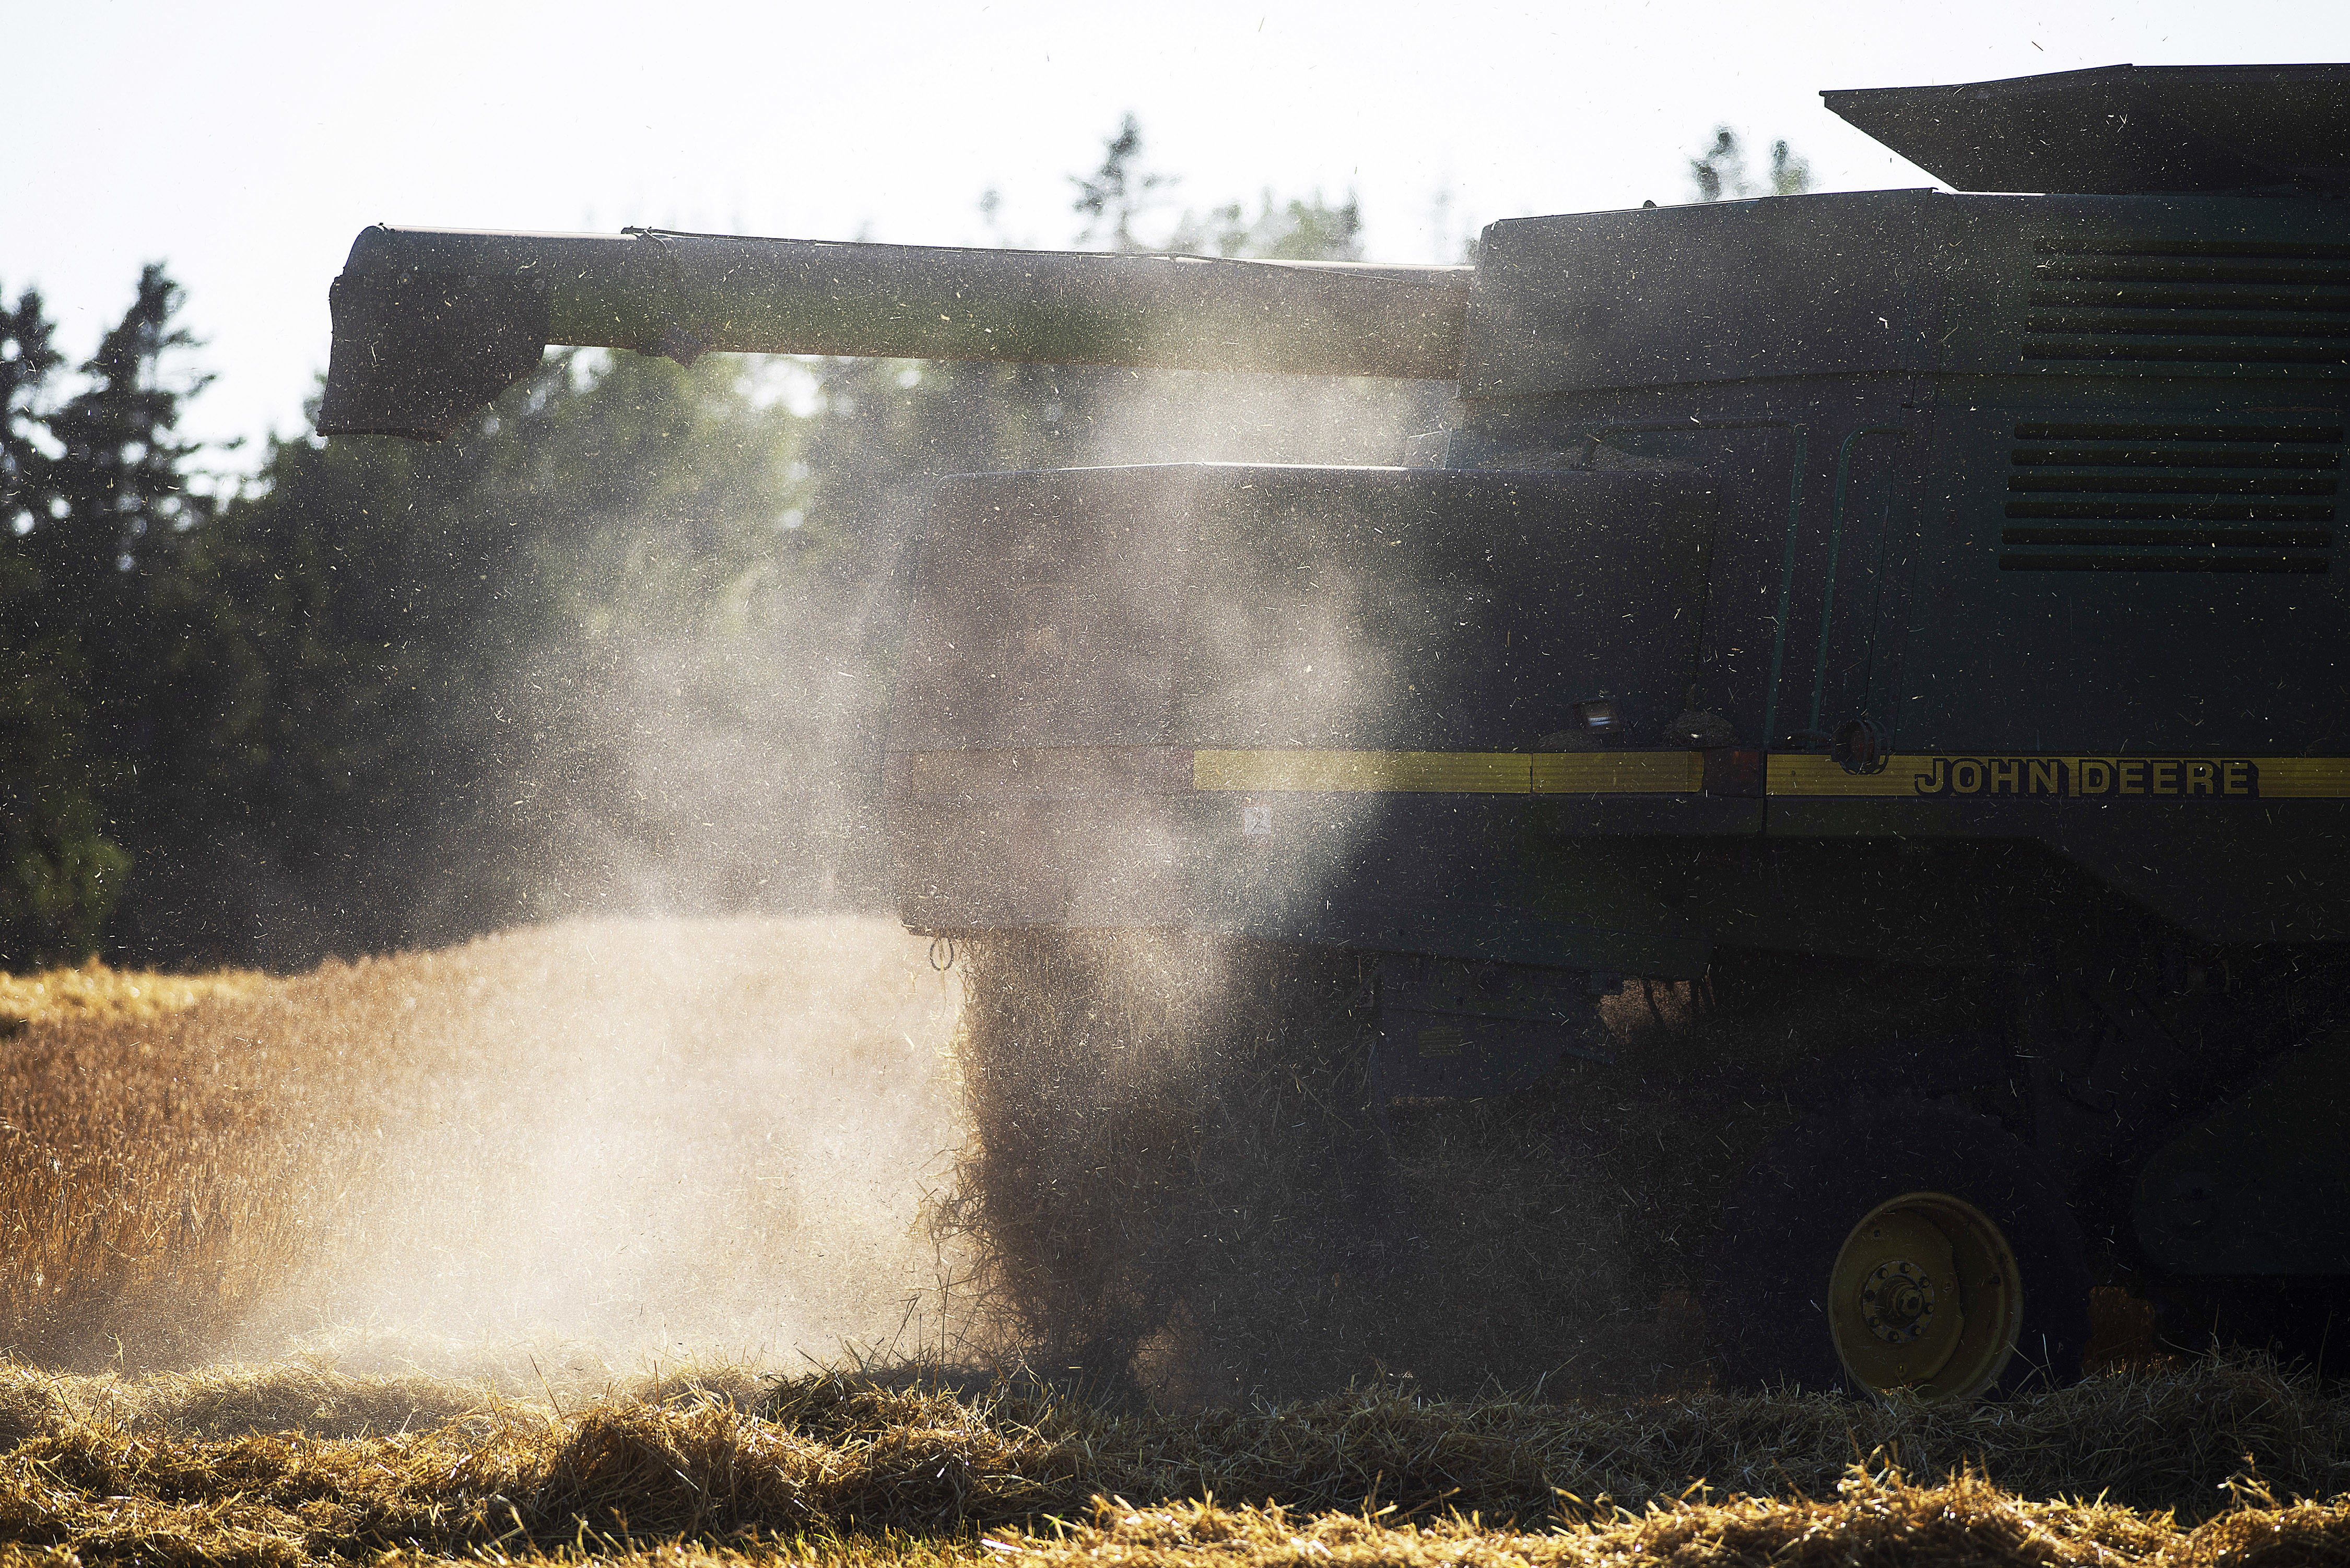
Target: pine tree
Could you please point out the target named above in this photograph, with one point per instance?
(121, 475)
(1118, 192)
(407, 669)
(61, 873)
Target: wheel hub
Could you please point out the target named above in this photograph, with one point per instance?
(1898, 1302)
(1925, 1296)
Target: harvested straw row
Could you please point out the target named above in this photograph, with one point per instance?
(2167, 1439)
(1876, 1517)
(191, 1470)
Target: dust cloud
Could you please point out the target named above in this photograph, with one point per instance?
(608, 1143)
(1202, 416)
(692, 1133)
(642, 1122)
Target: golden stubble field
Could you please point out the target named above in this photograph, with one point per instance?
(522, 1252)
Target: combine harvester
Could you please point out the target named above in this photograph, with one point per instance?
(1923, 598)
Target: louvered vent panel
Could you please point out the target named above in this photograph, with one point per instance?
(2171, 498)
(2191, 308)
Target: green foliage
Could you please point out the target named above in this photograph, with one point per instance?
(60, 874)
(1112, 200)
(1114, 196)
(1720, 172)
(28, 361)
(1296, 230)
(400, 668)
(92, 494)
(119, 471)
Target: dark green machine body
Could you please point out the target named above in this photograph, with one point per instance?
(1903, 578)
(1877, 477)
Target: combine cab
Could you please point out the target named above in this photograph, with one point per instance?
(1910, 618)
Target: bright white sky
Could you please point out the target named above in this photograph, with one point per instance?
(245, 142)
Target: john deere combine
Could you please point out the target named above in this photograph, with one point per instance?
(1920, 599)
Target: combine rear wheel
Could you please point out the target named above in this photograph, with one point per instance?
(1905, 1246)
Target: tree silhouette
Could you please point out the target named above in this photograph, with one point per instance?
(622, 643)
(1720, 170)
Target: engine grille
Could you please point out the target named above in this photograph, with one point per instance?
(2191, 307)
(2171, 497)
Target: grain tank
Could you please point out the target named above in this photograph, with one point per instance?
(1920, 600)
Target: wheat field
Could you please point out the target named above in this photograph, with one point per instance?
(615, 1240)
(709, 1136)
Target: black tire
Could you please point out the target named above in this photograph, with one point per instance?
(1786, 1221)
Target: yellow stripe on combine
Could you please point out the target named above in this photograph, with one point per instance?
(1620, 772)
(1820, 775)
(1400, 772)
(1451, 772)
(2303, 778)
